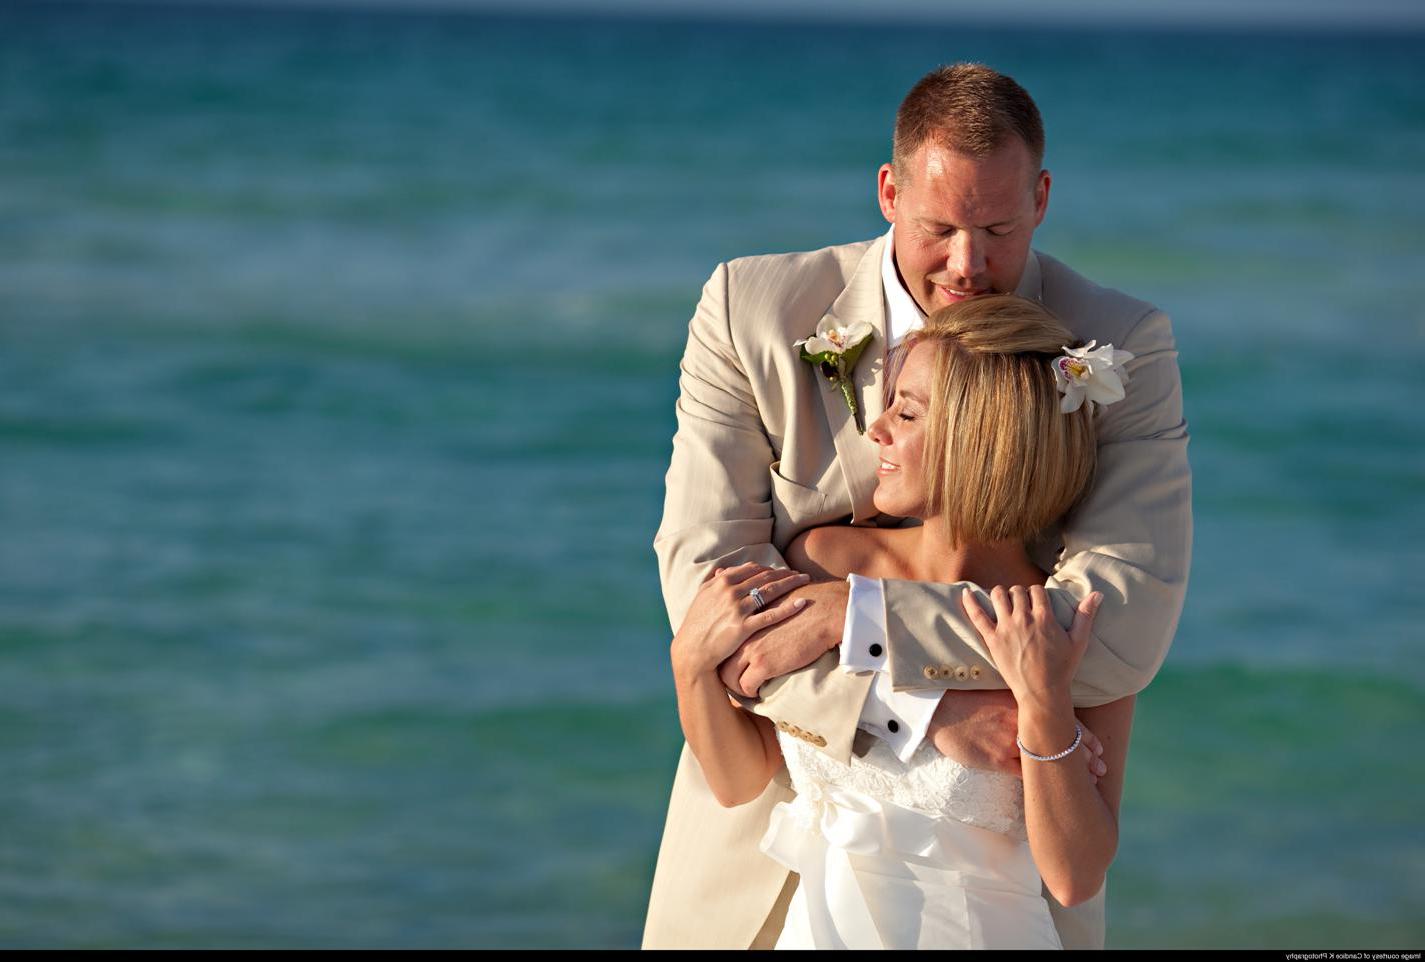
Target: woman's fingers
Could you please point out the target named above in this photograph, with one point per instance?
(1082, 628)
(736, 574)
(783, 581)
(977, 615)
(771, 585)
(1004, 609)
(1039, 602)
(727, 574)
(751, 574)
(1019, 601)
(774, 614)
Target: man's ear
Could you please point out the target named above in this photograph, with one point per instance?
(1041, 197)
(886, 191)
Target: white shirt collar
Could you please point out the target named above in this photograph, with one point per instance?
(903, 314)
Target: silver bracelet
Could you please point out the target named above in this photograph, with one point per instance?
(1078, 737)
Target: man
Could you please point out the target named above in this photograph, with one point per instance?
(766, 448)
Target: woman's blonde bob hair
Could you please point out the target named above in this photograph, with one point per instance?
(1001, 461)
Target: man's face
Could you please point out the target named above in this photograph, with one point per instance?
(963, 223)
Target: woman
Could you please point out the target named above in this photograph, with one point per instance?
(987, 441)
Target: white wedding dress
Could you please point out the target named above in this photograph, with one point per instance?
(925, 855)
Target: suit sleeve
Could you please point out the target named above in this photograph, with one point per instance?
(1130, 538)
(717, 512)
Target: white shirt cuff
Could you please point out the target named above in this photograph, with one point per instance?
(899, 718)
(863, 639)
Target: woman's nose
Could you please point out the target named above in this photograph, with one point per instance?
(877, 432)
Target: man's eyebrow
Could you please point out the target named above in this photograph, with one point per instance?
(940, 224)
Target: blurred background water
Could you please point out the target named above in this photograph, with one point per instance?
(338, 353)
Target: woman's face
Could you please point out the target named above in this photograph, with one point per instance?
(900, 435)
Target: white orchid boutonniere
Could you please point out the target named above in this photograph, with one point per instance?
(1090, 374)
(835, 349)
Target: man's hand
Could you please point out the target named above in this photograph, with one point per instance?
(789, 645)
(977, 729)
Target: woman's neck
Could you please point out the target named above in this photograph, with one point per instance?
(994, 563)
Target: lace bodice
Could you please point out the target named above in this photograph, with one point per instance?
(929, 783)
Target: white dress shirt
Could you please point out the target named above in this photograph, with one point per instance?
(900, 718)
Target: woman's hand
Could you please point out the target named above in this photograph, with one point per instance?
(1036, 658)
(724, 615)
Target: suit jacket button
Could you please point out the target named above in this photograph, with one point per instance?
(794, 730)
(976, 671)
(930, 671)
(782, 726)
(819, 742)
(961, 673)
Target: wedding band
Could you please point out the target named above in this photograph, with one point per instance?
(756, 595)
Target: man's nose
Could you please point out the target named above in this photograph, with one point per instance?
(966, 256)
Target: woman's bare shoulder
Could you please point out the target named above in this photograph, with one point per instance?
(834, 551)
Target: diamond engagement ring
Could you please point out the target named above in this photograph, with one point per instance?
(756, 595)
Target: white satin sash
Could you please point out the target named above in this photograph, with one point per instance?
(876, 875)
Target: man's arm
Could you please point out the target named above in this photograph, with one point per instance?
(717, 503)
(1129, 539)
(718, 513)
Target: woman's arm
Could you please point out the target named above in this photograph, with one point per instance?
(1072, 823)
(737, 751)
(815, 552)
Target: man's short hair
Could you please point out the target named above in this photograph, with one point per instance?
(967, 108)
(1001, 460)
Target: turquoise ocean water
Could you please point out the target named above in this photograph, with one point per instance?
(338, 354)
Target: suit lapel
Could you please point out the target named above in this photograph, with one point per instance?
(862, 300)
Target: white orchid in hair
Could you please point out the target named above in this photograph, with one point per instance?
(1090, 374)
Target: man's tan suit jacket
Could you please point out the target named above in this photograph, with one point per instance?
(766, 448)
